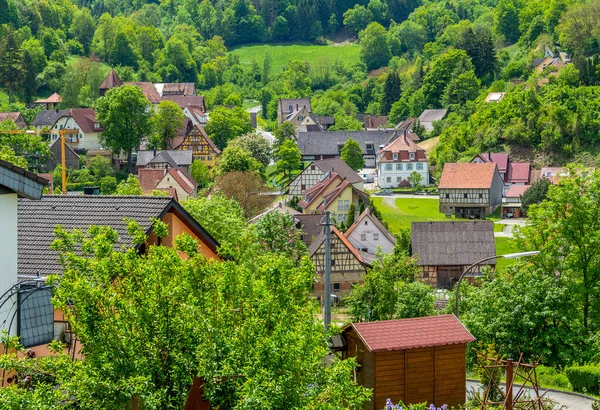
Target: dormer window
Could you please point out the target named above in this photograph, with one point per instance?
(96, 125)
(370, 145)
(411, 155)
(395, 156)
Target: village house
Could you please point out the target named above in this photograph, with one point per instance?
(16, 117)
(417, 360)
(512, 173)
(470, 190)
(554, 173)
(72, 160)
(175, 181)
(45, 120)
(84, 121)
(375, 122)
(398, 160)
(164, 159)
(333, 193)
(445, 249)
(348, 264)
(511, 203)
(288, 106)
(15, 183)
(318, 145)
(368, 234)
(196, 115)
(315, 171)
(187, 100)
(51, 102)
(166, 89)
(36, 222)
(112, 80)
(429, 117)
(494, 97)
(202, 147)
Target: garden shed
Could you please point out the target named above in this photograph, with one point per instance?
(413, 360)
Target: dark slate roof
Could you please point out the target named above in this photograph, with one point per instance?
(453, 243)
(48, 117)
(163, 157)
(22, 182)
(326, 142)
(338, 166)
(37, 219)
(181, 157)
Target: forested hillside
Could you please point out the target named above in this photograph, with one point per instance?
(449, 54)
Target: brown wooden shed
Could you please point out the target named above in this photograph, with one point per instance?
(411, 360)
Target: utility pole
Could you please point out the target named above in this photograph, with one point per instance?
(327, 278)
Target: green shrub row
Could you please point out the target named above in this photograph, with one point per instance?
(584, 379)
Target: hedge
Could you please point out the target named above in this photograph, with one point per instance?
(584, 379)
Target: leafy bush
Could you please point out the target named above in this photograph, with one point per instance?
(550, 377)
(584, 379)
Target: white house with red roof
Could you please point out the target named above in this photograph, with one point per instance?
(84, 121)
(398, 160)
(511, 203)
(369, 235)
(512, 173)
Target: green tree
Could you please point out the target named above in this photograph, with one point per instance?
(83, 27)
(352, 155)
(358, 18)
(506, 20)
(123, 53)
(100, 167)
(289, 160)
(108, 185)
(415, 181)
(351, 215)
(391, 92)
(266, 72)
(414, 299)
(11, 70)
(125, 115)
(257, 145)
(129, 186)
(30, 147)
(286, 131)
(201, 174)
(167, 119)
(374, 50)
(445, 67)
(295, 79)
(535, 194)
(235, 158)
(227, 123)
(29, 84)
(7, 154)
(462, 88)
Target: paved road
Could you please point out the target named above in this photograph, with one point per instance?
(570, 401)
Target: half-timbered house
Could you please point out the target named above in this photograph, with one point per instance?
(315, 171)
(445, 249)
(417, 360)
(348, 264)
(202, 147)
(470, 190)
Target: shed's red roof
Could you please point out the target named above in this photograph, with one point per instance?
(467, 175)
(404, 334)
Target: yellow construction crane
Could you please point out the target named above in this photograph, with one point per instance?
(62, 133)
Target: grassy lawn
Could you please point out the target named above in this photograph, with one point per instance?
(280, 54)
(504, 246)
(250, 103)
(3, 97)
(72, 59)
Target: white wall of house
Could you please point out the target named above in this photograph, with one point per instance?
(367, 236)
(8, 254)
(392, 173)
(87, 140)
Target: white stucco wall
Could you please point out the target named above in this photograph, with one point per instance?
(87, 140)
(369, 242)
(395, 173)
(8, 254)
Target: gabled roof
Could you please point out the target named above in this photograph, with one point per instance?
(330, 197)
(185, 100)
(407, 124)
(314, 247)
(37, 219)
(53, 99)
(164, 157)
(185, 181)
(296, 103)
(22, 182)
(14, 116)
(277, 207)
(148, 90)
(310, 225)
(367, 214)
(499, 158)
(516, 191)
(84, 117)
(329, 142)
(518, 172)
(197, 113)
(180, 157)
(402, 143)
(453, 243)
(375, 121)
(325, 119)
(57, 141)
(150, 177)
(467, 175)
(414, 333)
(178, 88)
(315, 192)
(47, 117)
(339, 167)
(111, 80)
(429, 116)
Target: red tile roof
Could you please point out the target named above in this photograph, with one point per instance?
(150, 177)
(515, 191)
(313, 193)
(467, 175)
(54, 98)
(14, 116)
(518, 172)
(111, 80)
(148, 90)
(500, 159)
(185, 181)
(404, 334)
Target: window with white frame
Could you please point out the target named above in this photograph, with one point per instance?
(420, 166)
(409, 167)
(411, 155)
(346, 204)
(363, 236)
(340, 204)
(398, 179)
(388, 167)
(395, 155)
(388, 179)
(399, 167)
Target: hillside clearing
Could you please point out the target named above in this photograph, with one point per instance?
(315, 55)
